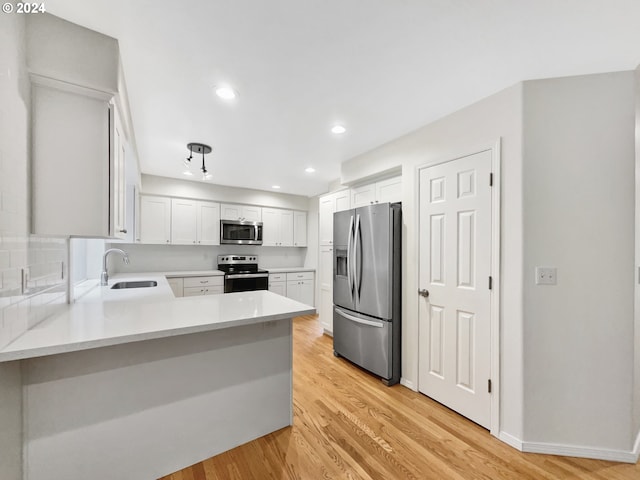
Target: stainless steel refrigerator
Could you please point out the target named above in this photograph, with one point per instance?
(366, 288)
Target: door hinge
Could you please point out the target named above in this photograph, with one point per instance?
(490, 283)
(491, 179)
(489, 385)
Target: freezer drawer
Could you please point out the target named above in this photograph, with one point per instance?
(365, 341)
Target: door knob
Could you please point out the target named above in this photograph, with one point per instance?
(423, 292)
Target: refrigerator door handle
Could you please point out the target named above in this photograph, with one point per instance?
(349, 246)
(357, 280)
(359, 320)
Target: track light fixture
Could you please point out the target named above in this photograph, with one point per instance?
(199, 148)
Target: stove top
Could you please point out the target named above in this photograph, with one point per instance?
(238, 264)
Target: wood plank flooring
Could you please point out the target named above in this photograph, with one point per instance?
(348, 425)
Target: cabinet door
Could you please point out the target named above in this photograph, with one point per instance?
(155, 219)
(118, 177)
(286, 228)
(341, 201)
(293, 290)
(278, 287)
(326, 287)
(326, 311)
(230, 212)
(306, 292)
(364, 195)
(325, 212)
(299, 229)
(208, 222)
(270, 227)
(183, 222)
(251, 213)
(389, 190)
(70, 164)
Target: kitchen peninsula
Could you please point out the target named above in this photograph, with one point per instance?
(136, 384)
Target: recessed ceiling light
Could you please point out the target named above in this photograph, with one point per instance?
(338, 129)
(309, 169)
(226, 93)
(187, 172)
(275, 186)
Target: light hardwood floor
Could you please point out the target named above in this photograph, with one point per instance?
(348, 425)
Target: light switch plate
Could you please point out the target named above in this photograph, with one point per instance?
(546, 275)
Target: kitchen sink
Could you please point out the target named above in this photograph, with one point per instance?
(135, 284)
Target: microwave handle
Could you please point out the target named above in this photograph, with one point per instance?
(255, 232)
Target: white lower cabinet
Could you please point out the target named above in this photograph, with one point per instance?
(195, 286)
(325, 265)
(278, 283)
(300, 287)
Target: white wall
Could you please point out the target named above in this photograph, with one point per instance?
(472, 129)
(579, 175)
(155, 185)
(168, 258)
(66, 51)
(636, 394)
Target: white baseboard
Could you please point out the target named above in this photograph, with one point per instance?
(510, 440)
(408, 383)
(582, 452)
(572, 450)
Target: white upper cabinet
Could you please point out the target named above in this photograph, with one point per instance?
(184, 228)
(155, 219)
(389, 190)
(329, 204)
(190, 222)
(244, 213)
(78, 163)
(78, 138)
(277, 227)
(208, 222)
(299, 229)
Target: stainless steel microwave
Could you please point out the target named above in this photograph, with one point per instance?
(240, 233)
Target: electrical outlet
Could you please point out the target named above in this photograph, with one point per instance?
(546, 275)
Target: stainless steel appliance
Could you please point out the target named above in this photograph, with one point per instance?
(240, 233)
(241, 273)
(366, 288)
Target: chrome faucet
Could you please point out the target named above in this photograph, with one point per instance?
(104, 276)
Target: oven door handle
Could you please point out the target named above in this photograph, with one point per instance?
(246, 275)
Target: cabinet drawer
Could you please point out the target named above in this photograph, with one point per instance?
(277, 277)
(299, 276)
(197, 291)
(203, 281)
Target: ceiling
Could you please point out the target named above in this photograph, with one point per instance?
(381, 68)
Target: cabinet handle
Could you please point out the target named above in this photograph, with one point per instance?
(124, 230)
(199, 241)
(194, 241)
(204, 281)
(167, 241)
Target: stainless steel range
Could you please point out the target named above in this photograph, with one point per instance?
(241, 273)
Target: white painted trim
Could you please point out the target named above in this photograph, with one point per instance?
(327, 332)
(495, 293)
(510, 440)
(44, 81)
(408, 383)
(636, 448)
(581, 452)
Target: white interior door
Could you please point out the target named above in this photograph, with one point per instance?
(455, 266)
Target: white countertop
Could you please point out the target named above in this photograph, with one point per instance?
(106, 317)
(289, 269)
(194, 273)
